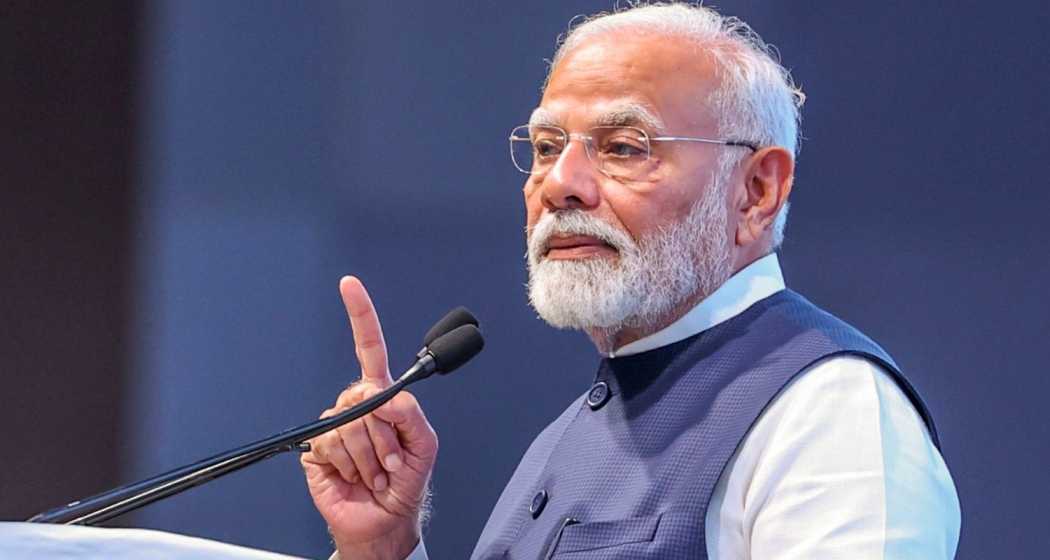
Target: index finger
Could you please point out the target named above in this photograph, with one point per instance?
(368, 334)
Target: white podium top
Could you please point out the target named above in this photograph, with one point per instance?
(45, 541)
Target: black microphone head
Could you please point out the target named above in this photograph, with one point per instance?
(456, 318)
(456, 347)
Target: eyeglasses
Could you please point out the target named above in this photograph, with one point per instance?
(620, 152)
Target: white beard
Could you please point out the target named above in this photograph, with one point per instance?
(639, 288)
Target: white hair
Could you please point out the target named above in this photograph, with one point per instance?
(757, 100)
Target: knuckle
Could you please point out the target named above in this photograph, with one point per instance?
(383, 434)
(359, 445)
(405, 404)
(338, 458)
(357, 391)
(368, 471)
(409, 400)
(346, 398)
(346, 470)
(362, 312)
(331, 441)
(369, 343)
(317, 450)
(370, 391)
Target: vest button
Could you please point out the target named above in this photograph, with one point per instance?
(538, 502)
(598, 396)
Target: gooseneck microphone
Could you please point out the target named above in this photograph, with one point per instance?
(456, 318)
(449, 344)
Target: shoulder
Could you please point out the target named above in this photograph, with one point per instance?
(846, 402)
(843, 436)
(790, 311)
(842, 386)
(839, 404)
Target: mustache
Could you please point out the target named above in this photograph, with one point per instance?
(574, 222)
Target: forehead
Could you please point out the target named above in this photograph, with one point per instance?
(633, 78)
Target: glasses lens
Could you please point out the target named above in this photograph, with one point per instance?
(535, 149)
(623, 152)
(521, 149)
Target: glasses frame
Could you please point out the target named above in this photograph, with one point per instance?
(591, 150)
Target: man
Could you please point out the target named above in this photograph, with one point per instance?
(730, 418)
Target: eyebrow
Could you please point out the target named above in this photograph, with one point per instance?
(542, 117)
(631, 114)
(628, 114)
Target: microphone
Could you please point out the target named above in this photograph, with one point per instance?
(457, 317)
(452, 350)
(444, 353)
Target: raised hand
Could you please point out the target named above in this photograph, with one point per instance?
(369, 478)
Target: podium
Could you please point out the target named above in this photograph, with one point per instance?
(44, 541)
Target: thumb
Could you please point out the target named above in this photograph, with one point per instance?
(417, 437)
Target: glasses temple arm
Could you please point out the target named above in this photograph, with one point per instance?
(752, 146)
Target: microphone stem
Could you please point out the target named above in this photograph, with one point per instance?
(118, 501)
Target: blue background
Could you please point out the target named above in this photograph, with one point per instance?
(282, 145)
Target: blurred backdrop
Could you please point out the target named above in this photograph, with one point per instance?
(184, 182)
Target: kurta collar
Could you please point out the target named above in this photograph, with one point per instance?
(754, 282)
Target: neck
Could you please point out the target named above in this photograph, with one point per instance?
(608, 339)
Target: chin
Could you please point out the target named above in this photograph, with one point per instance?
(583, 294)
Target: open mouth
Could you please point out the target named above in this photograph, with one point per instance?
(564, 247)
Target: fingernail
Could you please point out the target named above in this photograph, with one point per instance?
(393, 462)
(379, 483)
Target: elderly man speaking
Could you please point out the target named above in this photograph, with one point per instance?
(730, 418)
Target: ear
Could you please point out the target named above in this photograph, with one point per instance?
(768, 177)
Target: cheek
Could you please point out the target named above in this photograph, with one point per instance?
(643, 208)
(631, 210)
(533, 207)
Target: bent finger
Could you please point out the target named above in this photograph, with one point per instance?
(356, 441)
(385, 442)
(328, 449)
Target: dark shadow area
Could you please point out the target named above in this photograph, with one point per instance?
(66, 200)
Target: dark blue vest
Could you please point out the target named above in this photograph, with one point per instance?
(627, 471)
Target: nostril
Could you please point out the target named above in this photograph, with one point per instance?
(573, 201)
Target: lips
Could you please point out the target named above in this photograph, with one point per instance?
(576, 247)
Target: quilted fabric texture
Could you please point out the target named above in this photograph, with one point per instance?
(632, 477)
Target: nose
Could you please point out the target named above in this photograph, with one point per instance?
(572, 183)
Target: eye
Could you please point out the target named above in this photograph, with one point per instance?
(624, 147)
(546, 148)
